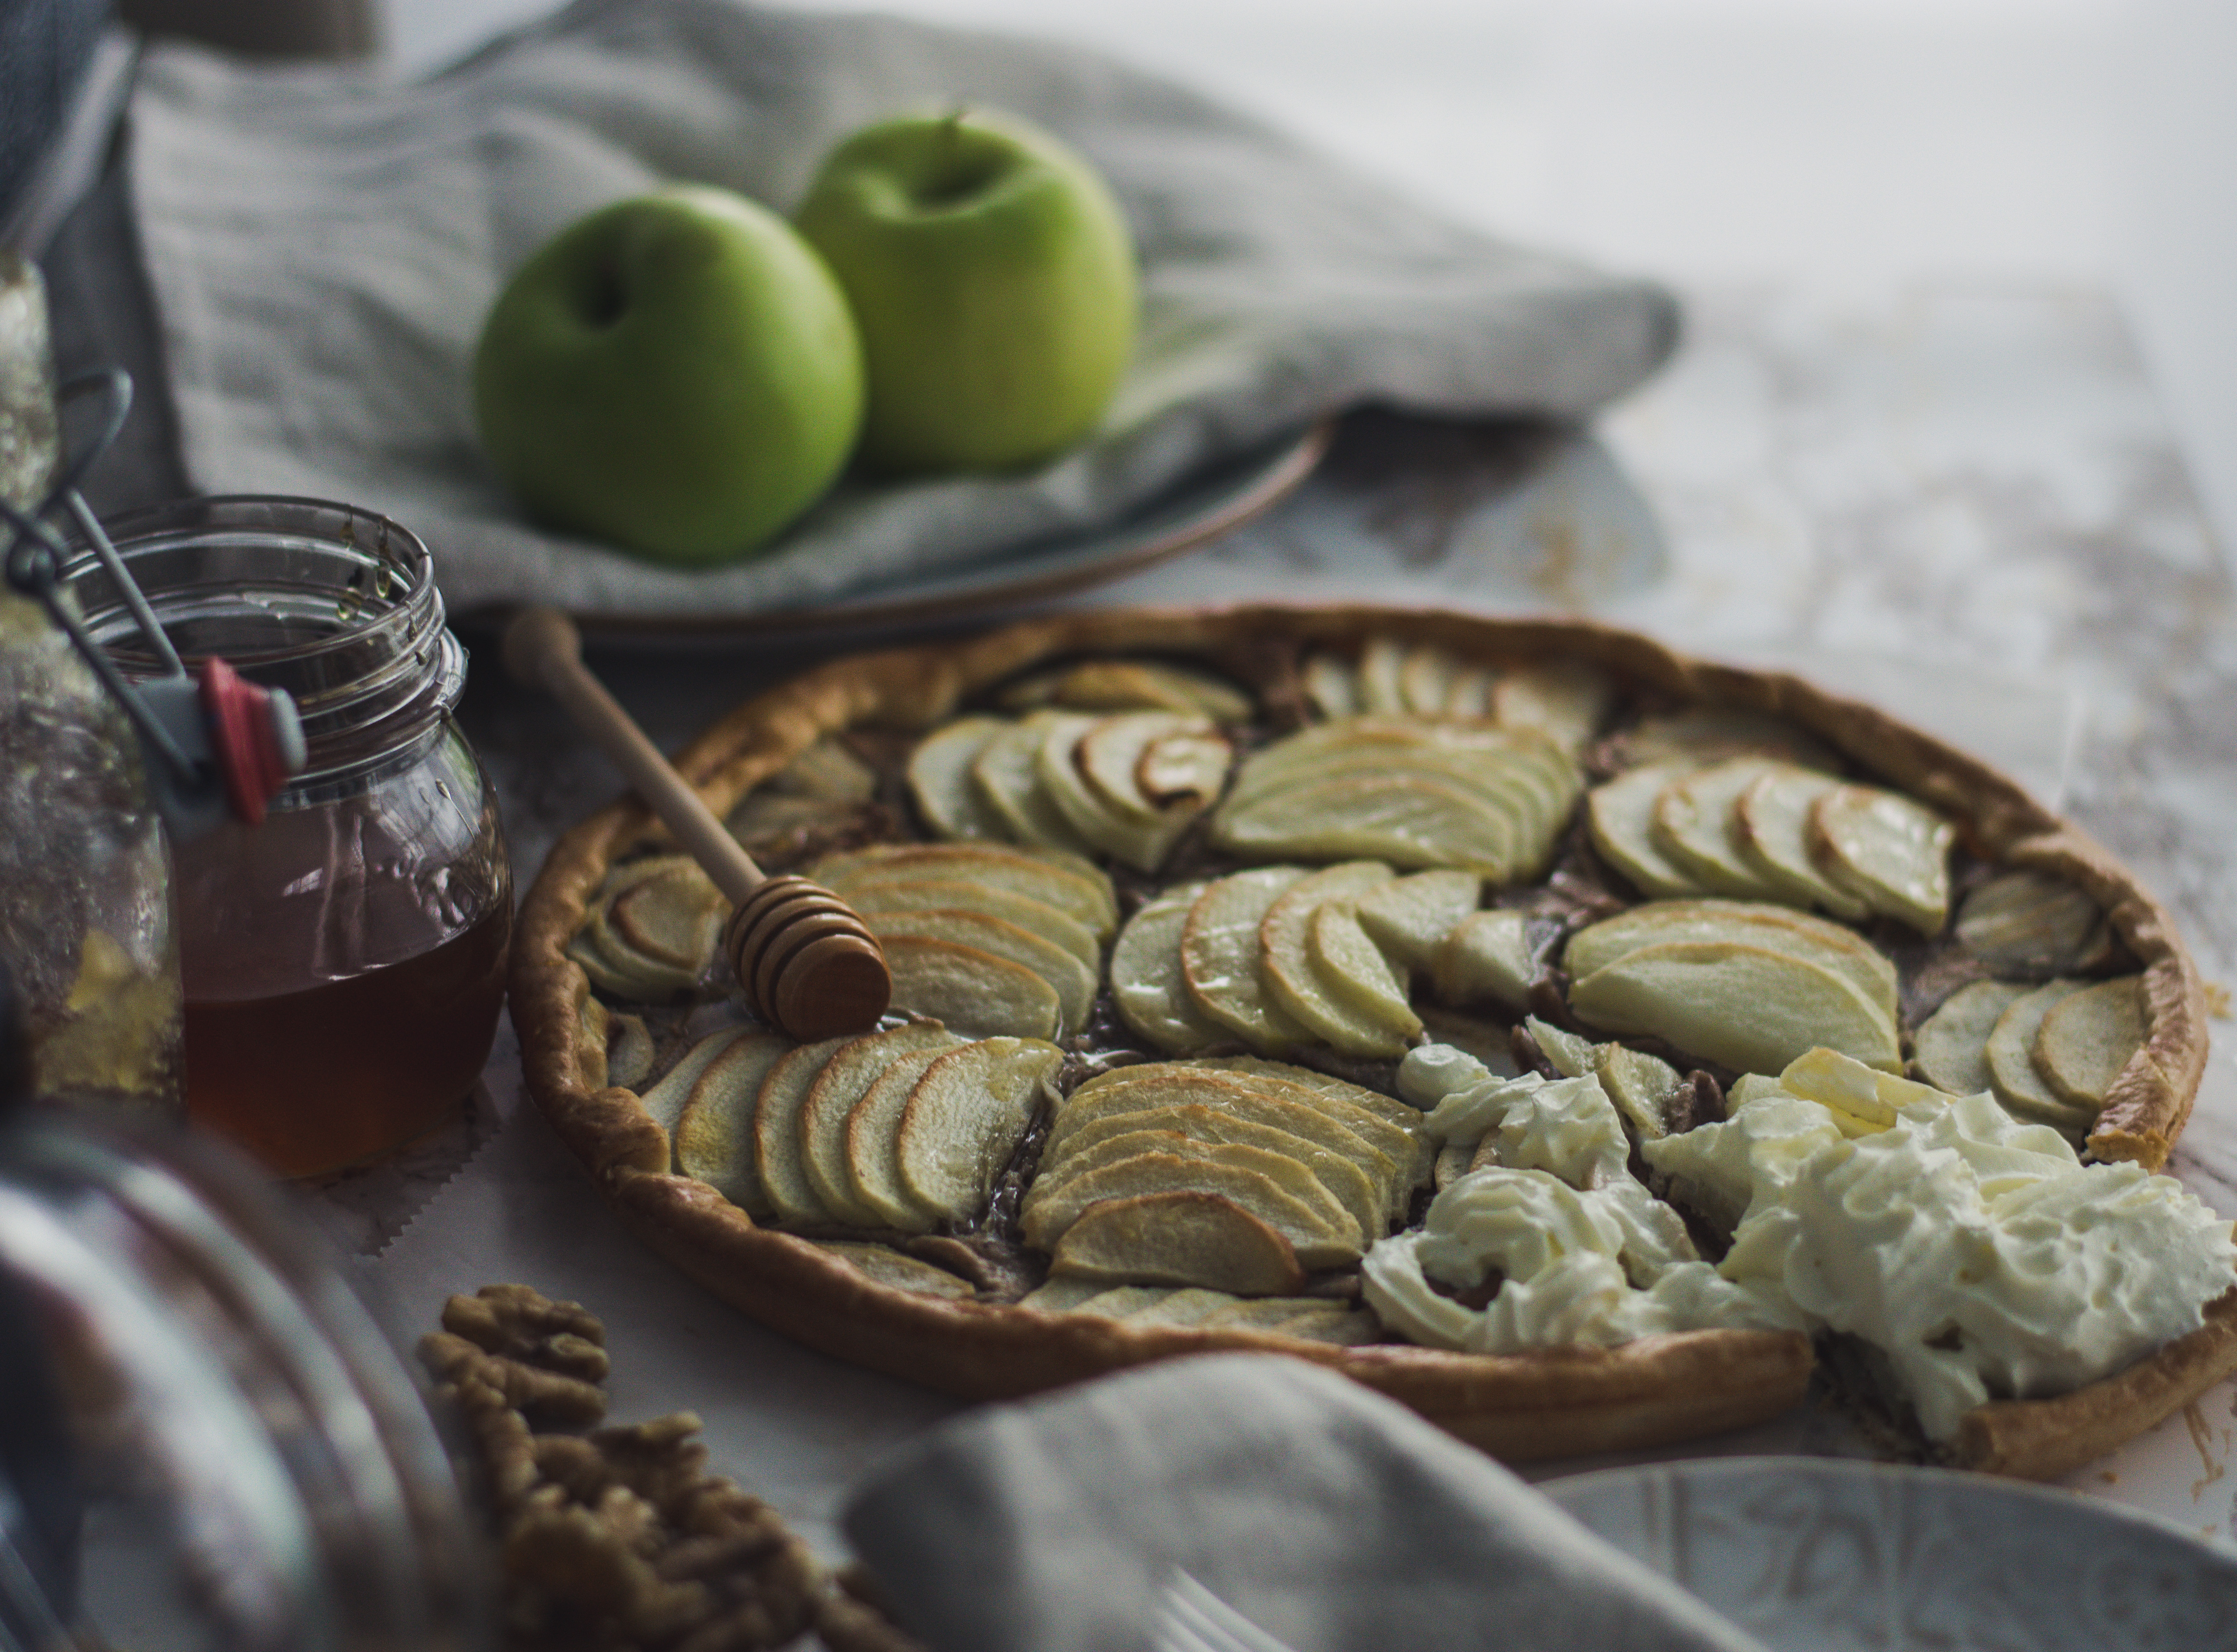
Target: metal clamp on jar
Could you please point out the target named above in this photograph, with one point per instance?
(86, 921)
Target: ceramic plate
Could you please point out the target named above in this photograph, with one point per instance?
(1829, 1556)
(1212, 502)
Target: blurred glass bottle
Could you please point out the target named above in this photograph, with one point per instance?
(85, 908)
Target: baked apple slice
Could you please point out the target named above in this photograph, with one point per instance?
(2086, 1039)
(628, 1048)
(1383, 676)
(1075, 983)
(1331, 687)
(1890, 852)
(1747, 1008)
(1781, 929)
(1621, 818)
(1569, 699)
(1425, 680)
(2012, 1071)
(1409, 818)
(1059, 1192)
(1695, 818)
(1073, 886)
(872, 1172)
(945, 788)
(667, 1100)
(882, 1265)
(654, 929)
(1147, 987)
(714, 1135)
(1367, 1197)
(1951, 1049)
(1772, 822)
(670, 915)
(1327, 1086)
(1387, 1156)
(777, 1103)
(1183, 1238)
(1642, 1087)
(1008, 772)
(964, 1119)
(1488, 957)
(1221, 957)
(975, 993)
(1096, 820)
(900, 894)
(2030, 923)
(1318, 1239)
(1410, 917)
(1302, 985)
(1363, 979)
(1130, 685)
(845, 1079)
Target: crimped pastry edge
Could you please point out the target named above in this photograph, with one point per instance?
(1560, 1402)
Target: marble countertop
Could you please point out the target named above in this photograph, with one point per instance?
(1959, 500)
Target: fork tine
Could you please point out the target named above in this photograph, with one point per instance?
(1191, 1618)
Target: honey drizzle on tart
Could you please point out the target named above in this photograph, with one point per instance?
(1285, 662)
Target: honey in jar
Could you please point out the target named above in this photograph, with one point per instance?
(344, 960)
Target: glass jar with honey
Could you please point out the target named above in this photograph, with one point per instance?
(343, 961)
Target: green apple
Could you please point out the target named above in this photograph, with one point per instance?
(677, 373)
(993, 278)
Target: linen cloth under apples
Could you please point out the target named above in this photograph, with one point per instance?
(323, 244)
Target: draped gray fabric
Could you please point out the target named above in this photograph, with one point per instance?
(323, 245)
(1330, 1517)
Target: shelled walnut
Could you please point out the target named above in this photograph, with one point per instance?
(616, 1539)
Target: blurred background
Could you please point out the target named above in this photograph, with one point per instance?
(1833, 144)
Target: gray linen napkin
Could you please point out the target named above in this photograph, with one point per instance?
(323, 244)
(1330, 1518)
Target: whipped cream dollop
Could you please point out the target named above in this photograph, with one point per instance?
(1978, 1255)
(1583, 1252)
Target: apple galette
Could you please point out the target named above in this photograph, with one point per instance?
(1583, 1044)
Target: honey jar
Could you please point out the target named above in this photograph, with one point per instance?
(343, 961)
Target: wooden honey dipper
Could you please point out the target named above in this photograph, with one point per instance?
(807, 963)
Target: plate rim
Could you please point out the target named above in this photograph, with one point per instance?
(1291, 460)
(2034, 1493)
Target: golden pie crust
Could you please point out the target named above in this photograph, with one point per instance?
(1553, 1404)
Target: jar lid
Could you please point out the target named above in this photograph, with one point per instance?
(335, 606)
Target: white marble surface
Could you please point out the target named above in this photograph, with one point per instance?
(1960, 501)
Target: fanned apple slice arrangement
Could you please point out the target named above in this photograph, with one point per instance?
(1720, 808)
(1126, 784)
(1567, 699)
(1746, 985)
(902, 1129)
(1236, 1174)
(988, 939)
(652, 930)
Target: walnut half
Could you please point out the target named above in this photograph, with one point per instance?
(617, 1540)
